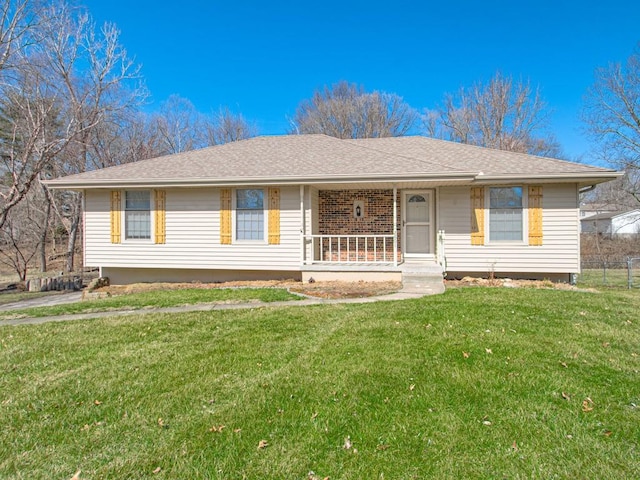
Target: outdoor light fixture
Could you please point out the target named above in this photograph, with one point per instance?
(358, 209)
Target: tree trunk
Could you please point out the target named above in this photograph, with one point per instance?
(45, 229)
(73, 232)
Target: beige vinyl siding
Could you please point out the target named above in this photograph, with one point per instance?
(193, 236)
(559, 252)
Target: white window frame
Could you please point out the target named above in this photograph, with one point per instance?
(124, 217)
(234, 217)
(525, 217)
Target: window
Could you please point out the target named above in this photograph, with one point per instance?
(249, 214)
(137, 215)
(505, 214)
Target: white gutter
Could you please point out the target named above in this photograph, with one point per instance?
(585, 176)
(61, 183)
(468, 177)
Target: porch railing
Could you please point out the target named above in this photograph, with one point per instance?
(350, 249)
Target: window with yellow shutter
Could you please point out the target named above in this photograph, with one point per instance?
(505, 214)
(535, 215)
(116, 216)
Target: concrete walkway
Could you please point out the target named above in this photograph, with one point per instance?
(199, 307)
(44, 301)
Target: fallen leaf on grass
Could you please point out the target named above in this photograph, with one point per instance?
(514, 447)
(488, 350)
(607, 433)
(606, 344)
(347, 443)
(237, 430)
(314, 416)
(214, 429)
(411, 387)
(97, 402)
(262, 444)
(587, 405)
(76, 476)
(162, 423)
(157, 470)
(564, 364)
(382, 447)
(566, 396)
(312, 476)
(466, 354)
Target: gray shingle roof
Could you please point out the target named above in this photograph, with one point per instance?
(319, 158)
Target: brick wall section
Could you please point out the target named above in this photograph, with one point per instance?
(336, 218)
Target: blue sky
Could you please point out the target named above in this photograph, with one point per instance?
(261, 58)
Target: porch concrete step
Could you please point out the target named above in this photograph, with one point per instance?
(425, 278)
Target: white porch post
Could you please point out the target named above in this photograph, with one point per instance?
(395, 226)
(302, 227)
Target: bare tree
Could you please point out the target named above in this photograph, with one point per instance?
(501, 114)
(16, 21)
(226, 126)
(27, 104)
(96, 80)
(612, 115)
(20, 234)
(345, 110)
(180, 126)
(30, 136)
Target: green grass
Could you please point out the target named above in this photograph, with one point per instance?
(611, 278)
(122, 397)
(157, 299)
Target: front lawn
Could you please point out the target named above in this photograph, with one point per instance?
(475, 383)
(157, 299)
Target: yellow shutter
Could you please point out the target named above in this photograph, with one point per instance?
(116, 216)
(477, 216)
(225, 216)
(535, 216)
(274, 216)
(160, 235)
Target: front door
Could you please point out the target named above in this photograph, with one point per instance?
(417, 222)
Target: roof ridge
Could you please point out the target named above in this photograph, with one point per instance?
(421, 160)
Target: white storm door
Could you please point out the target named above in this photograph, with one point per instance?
(417, 218)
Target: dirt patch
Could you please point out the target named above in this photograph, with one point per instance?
(317, 289)
(511, 283)
(333, 290)
(346, 289)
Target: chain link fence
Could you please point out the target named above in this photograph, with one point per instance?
(612, 272)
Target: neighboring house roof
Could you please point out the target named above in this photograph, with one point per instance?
(611, 215)
(600, 216)
(322, 159)
(599, 207)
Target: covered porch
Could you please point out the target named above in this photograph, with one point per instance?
(355, 233)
